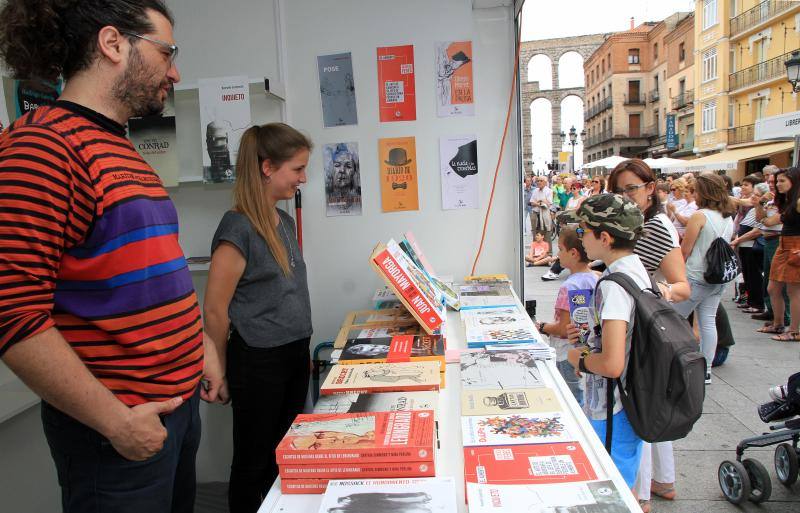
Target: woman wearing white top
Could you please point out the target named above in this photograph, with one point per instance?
(713, 219)
(575, 198)
(681, 208)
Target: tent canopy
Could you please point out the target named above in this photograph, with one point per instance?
(608, 162)
(728, 159)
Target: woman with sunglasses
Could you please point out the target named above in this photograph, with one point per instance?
(682, 206)
(576, 197)
(598, 186)
(659, 250)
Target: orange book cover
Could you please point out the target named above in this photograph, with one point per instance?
(303, 486)
(527, 464)
(398, 348)
(358, 469)
(396, 88)
(398, 174)
(358, 437)
(454, 84)
(382, 377)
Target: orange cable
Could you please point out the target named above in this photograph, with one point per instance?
(502, 146)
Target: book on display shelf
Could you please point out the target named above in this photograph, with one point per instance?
(401, 348)
(512, 313)
(382, 377)
(481, 336)
(411, 285)
(398, 321)
(420, 495)
(592, 496)
(358, 437)
(356, 469)
(527, 464)
(486, 296)
(487, 278)
(384, 294)
(388, 401)
(517, 429)
(303, 486)
(501, 402)
(539, 350)
(500, 369)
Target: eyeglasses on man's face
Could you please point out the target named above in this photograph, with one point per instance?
(171, 50)
(629, 189)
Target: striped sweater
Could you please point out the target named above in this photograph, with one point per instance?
(89, 244)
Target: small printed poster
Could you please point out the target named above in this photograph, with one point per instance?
(342, 179)
(224, 116)
(398, 163)
(459, 168)
(454, 85)
(396, 89)
(337, 90)
(155, 139)
(27, 95)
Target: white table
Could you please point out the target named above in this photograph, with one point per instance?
(450, 456)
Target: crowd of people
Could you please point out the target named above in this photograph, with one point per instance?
(681, 218)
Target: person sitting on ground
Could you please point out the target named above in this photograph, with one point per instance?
(539, 253)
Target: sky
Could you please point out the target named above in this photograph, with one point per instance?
(545, 19)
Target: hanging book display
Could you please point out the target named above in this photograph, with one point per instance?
(224, 116)
(155, 138)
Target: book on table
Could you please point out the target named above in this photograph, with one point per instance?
(500, 369)
(357, 469)
(592, 496)
(400, 348)
(501, 402)
(420, 495)
(527, 464)
(518, 429)
(387, 401)
(303, 486)
(382, 377)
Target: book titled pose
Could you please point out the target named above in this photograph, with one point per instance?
(352, 437)
(382, 377)
(517, 429)
(527, 464)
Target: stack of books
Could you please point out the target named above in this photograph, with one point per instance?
(391, 495)
(321, 447)
(498, 325)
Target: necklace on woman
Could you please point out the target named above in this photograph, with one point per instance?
(288, 242)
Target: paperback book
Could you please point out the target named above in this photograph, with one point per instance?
(382, 377)
(481, 336)
(486, 296)
(501, 402)
(400, 348)
(357, 469)
(582, 312)
(389, 401)
(517, 429)
(358, 437)
(303, 486)
(594, 496)
(500, 370)
(527, 464)
(420, 495)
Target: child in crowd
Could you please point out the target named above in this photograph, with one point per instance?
(573, 257)
(610, 226)
(539, 253)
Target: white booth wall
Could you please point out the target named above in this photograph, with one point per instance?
(268, 38)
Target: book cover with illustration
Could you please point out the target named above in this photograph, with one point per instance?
(500, 369)
(527, 464)
(593, 496)
(398, 174)
(420, 495)
(352, 437)
(517, 429)
(357, 469)
(412, 285)
(382, 377)
(582, 312)
(156, 140)
(337, 89)
(454, 87)
(401, 348)
(387, 401)
(501, 402)
(224, 116)
(486, 296)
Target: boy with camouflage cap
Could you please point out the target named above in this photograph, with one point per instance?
(610, 225)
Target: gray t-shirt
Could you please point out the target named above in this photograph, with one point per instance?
(268, 309)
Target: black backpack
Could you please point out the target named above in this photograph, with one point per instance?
(722, 264)
(665, 381)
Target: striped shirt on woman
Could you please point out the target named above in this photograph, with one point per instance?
(89, 245)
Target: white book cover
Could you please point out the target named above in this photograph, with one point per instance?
(486, 296)
(510, 311)
(224, 116)
(389, 401)
(592, 496)
(518, 429)
(479, 336)
(413, 495)
(458, 165)
(500, 369)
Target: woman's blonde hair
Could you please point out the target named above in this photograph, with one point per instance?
(681, 184)
(276, 143)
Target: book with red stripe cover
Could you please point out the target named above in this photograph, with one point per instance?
(527, 464)
(398, 348)
(356, 469)
(382, 377)
(303, 486)
(358, 437)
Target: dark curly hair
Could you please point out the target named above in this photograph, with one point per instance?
(48, 39)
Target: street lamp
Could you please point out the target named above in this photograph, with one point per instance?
(573, 140)
(793, 75)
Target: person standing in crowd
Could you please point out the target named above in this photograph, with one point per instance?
(257, 306)
(541, 201)
(598, 185)
(662, 192)
(682, 206)
(527, 190)
(766, 209)
(749, 248)
(659, 250)
(785, 269)
(99, 315)
(713, 219)
(565, 192)
(576, 196)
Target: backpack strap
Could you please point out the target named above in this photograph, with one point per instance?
(609, 413)
(627, 283)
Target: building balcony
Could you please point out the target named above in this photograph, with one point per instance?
(601, 107)
(768, 70)
(653, 96)
(759, 14)
(741, 134)
(634, 99)
(650, 131)
(599, 138)
(686, 99)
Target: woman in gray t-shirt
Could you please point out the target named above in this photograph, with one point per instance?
(257, 308)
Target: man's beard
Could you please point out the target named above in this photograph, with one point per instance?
(135, 91)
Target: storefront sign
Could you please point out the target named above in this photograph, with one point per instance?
(778, 127)
(672, 135)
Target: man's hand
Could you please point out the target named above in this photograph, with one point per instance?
(141, 434)
(213, 387)
(573, 334)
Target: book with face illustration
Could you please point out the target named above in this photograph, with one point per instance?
(592, 496)
(400, 348)
(518, 429)
(501, 402)
(382, 377)
(420, 495)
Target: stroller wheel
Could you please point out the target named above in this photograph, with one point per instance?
(734, 481)
(761, 486)
(786, 465)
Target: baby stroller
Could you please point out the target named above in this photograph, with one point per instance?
(747, 479)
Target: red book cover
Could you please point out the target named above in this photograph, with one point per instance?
(527, 464)
(358, 437)
(303, 486)
(356, 469)
(398, 99)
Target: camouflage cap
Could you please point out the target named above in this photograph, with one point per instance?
(612, 213)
